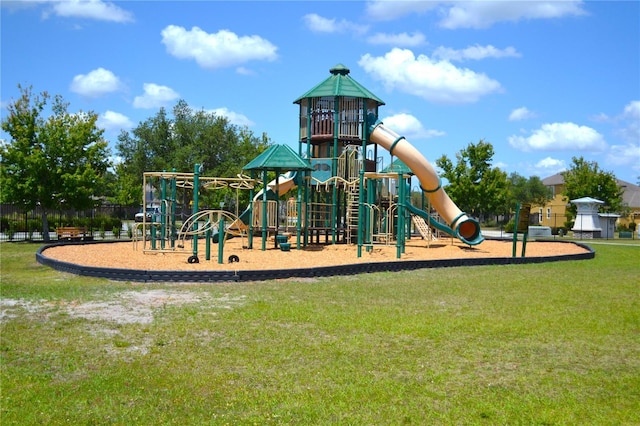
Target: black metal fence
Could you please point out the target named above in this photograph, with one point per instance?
(106, 221)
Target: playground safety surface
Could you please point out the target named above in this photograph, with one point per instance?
(114, 259)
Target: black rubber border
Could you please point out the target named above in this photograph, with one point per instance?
(137, 275)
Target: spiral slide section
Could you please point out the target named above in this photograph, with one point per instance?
(461, 226)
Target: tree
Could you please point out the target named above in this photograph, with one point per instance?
(189, 137)
(476, 187)
(586, 179)
(531, 190)
(55, 162)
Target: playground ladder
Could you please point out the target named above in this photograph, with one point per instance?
(352, 211)
(423, 228)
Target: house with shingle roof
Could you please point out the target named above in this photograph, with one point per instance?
(553, 213)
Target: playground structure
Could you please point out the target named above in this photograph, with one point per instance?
(165, 234)
(335, 188)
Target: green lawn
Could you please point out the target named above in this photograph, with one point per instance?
(555, 343)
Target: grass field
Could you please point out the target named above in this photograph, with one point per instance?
(543, 344)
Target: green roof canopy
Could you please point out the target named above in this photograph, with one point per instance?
(278, 157)
(340, 84)
(398, 166)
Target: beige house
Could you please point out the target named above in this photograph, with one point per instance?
(553, 213)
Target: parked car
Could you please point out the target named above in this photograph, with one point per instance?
(151, 211)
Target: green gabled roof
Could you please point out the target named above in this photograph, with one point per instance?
(398, 166)
(278, 157)
(340, 84)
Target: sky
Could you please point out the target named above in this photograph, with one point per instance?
(542, 81)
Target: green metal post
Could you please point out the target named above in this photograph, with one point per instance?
(400, 224)
(251, 195)
(196, 190)
(361, 193)
(153, 237)
(361, 187)
(306, 196)
(515, 231)
(221, 232)
(407, 214)
(174, 197)
(307, 190)
(163, 210)
(264, 209)
(277, 231)
(334, 163)
(207, 236)
(299, 209)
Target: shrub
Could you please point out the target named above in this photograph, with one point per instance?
(4, 224)
(622, 228)
(13, 228)
(508, 227)
(32, 226)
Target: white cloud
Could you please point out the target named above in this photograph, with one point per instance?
(501, 165)
(560, 137)
(521, 113)
(483, 14)
(114, 121)
(320, 24)
(402, 39)
(155, 96)
(96, 83)
(629, 131)
(92, 9)
(233, 117)
(601, 118)
(409, 126)
(551, 163)
(632, 110)
(627, 123)
(548, 166)
(631, 117)
(385, 10)
(435, 81)
(622, 155)
(476, 52)
(245, 71)
(629, 127)
(216, 50)
(476, 14)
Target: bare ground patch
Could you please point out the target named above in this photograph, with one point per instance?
(129, 307)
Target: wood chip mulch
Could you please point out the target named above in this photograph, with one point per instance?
(130, 255)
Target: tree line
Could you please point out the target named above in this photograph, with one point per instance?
(482, 190)
(57, 160)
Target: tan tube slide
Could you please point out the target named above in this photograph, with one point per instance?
(464, 227)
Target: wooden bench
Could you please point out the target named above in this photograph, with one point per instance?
(70, 233)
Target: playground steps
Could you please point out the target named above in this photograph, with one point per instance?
(423, 228)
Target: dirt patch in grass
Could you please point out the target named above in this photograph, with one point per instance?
(129, 307)
(128, 255)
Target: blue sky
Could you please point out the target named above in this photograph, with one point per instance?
(542, 81)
